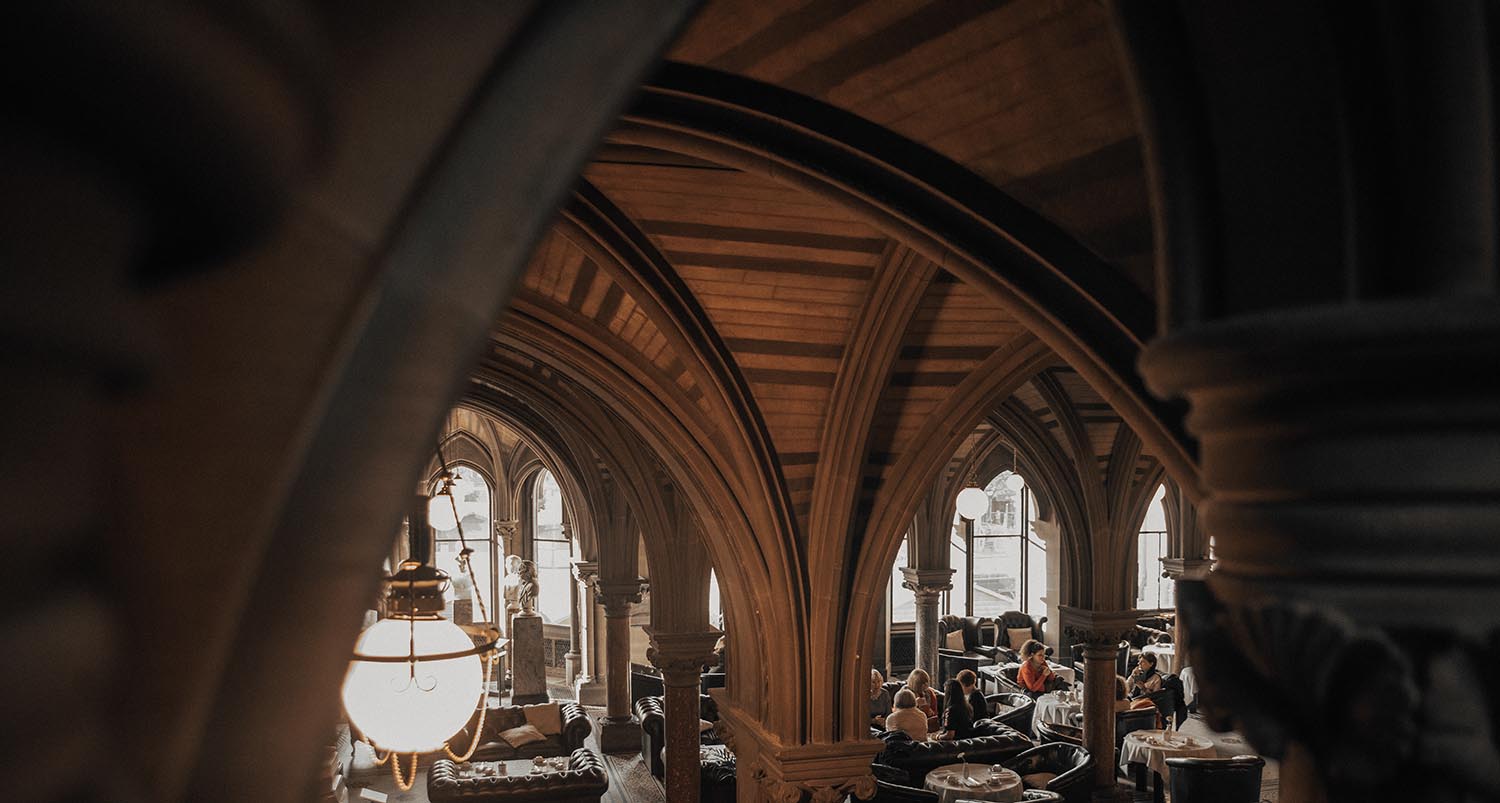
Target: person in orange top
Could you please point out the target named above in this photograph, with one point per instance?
(1034, 674)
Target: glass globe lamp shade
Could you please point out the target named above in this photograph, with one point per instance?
(973, 502)
(1014, 482)
(440, 512)
(398, 712)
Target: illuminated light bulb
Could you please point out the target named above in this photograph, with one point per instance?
(1015, 482)
(440, 512)
(973, 502)
(412, 712)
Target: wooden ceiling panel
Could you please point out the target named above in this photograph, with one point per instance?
(1029, 94)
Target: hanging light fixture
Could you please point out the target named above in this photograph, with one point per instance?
(416, 678)
(442, 507)
(1015, 481)
(972, 501)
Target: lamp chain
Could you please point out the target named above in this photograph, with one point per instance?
(484, 614)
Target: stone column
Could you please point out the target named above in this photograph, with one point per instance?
(1100, 633)
(588, 688)
(680, 657)
(619, 730)
(1180, 569)
(571, 657)
(928, 585)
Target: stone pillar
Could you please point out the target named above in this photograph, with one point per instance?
(1100, 633)
(928, 585)
(619, 730)
(529, 673)
(588, 688)
(571, 657)
(680, 657)
(1180, 569)
(1341, 376)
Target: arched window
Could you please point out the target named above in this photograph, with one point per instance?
(552, 550)
(903, 601)
(1153, 590)
(1005, 561)
(715, 604)
(472, 493)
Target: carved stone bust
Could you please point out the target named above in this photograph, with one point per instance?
(527, 588)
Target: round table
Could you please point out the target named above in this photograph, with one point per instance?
(1052, 710)
(948, 782)
(1147, 747)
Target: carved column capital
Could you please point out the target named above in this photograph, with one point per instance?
(587, 572)
(618, 595)
(1098, 631)
(824, 773)
(505, 528)
(1187, 568)
(927, 584)
(862, 787)
(680, 656)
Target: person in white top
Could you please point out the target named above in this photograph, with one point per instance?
(907, 717)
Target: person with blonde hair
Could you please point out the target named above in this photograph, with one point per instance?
(906, 717)
(880, 700)
(920, 684)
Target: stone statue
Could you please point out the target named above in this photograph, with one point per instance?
(527, 588)
(512, 586)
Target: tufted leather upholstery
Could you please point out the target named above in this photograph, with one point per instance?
(1216, 780)
(1072, 765)
(584, 780)
(717, 779)
(652, 715)
(1022, 709)
(1005, 678)
(996, 744)
(980, 635)
(575, 728)
(1011, 620)
(1048, 733)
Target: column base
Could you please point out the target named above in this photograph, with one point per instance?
(571, 666)
(619, 736)
(530, 699)
(591, 692)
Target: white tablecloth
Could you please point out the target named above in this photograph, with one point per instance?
(1145, 747)
(1189, 685)
(1053, 711)
(947, 781)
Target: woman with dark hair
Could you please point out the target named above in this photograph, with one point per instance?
(1034, 674)
(1144, 679)
(958, 717)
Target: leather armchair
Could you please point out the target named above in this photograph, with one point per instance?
(887, 792)
(1011, 620)
(583, 780)
(1127, 722)
(1122, 660)
(716, 780)
(1071, 766)
(997, 744)
(951, 662)
(1006, 678)
(652, 714)
(1022, 707)
(1048, 733)
(1216, 780)
(979, 635)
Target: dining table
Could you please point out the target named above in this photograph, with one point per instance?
(1057, 709)
(1149, 750)
(955, 782)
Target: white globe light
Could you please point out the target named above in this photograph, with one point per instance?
(1014, 482)
(397, 712)
(440, 512)
(973, 502)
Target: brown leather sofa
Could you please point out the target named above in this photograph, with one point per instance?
(997, 744)
(979, 634)
(575, 728)
(584, 781)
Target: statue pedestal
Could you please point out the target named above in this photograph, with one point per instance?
(528, 671)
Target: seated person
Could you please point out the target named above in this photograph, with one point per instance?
(1034, 674)
(906, 717)
(880, 700)
(1123, 701)
(1144, 679)
(920, 684)
(969, 682)
(958, 718)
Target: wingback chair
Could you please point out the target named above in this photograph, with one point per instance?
(1049, 733)
(1216, 780)
(1057, 767)
(979, 635)
(1021, 710)
(1015, 620)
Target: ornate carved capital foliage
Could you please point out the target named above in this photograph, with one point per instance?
(1360, 696)
(862, 786)
(618, 595)
(927, 584)
(680, 656)
(1097, 630)
(586, 572)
